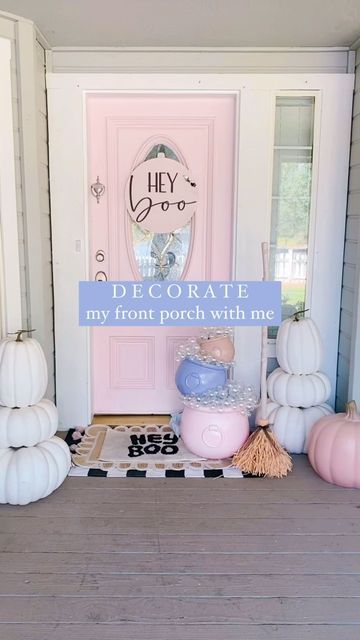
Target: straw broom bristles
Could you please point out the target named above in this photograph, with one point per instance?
(262, 454)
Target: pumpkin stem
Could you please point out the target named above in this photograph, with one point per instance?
(351, 410)
(19, 333)
(297, 313)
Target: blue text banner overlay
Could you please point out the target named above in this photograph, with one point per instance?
(179, 303)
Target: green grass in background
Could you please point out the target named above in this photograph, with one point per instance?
(293, 298)
(293, 292)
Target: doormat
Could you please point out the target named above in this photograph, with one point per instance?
(141, 451)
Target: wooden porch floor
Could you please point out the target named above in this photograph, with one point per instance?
(146, 559)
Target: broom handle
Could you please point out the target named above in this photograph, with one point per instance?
(264, 339)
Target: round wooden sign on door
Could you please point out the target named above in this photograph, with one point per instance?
(160, 256)
(160, 196)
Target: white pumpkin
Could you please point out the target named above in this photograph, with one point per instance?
(292, 426)
(23, 372)
(31, 473)
(298, 346)
(298, 390)
(29, 425)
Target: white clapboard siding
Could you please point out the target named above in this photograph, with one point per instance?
(349, 299)
(8, 30)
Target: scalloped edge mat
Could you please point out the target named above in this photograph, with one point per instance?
(87, 459)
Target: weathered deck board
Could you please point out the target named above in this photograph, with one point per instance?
(181, 543)
(175, 610)
(179, 585)
(191, 563)
(184, 631)
(129, 558)
(161, 511)
(172, 524)
(220, 493)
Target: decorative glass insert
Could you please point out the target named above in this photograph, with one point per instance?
(291, 200)
(161, 256)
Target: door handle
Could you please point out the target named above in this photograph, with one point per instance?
(101, 276)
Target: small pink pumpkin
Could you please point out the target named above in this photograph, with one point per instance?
(334, 447)
(220, 348)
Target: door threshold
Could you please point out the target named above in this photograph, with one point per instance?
(132, 419)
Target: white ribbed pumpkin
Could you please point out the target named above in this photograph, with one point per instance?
(298, 390)
(292, 426)
(28, 474)
(29, 425)
(23, 372)
(298, 346)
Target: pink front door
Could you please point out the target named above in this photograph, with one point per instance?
(133, 369)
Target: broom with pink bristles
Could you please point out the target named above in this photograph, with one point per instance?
(262, 454)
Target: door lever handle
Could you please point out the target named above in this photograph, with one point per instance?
(101, 276)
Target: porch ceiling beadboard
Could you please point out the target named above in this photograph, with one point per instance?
(348, 386)
(186, 23)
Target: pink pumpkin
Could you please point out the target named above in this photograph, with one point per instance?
(220, 348)
(334, 447)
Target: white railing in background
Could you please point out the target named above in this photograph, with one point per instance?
(290, 264)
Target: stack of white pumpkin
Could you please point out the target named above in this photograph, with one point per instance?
(33, 461)
(297, 389)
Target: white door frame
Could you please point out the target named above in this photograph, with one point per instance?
(69, 194)
(10, 292)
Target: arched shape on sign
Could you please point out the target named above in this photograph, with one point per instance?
(161, 255)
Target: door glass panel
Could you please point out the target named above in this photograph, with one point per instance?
(161, 256)
(291, 200)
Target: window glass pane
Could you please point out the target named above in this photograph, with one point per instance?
(161, 256)
(291, 200)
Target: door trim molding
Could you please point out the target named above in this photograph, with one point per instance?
(66, 96)
(199, 60)
(10, 290)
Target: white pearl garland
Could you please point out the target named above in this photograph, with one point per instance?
(233, 396)
(209, 333)
(192, 349)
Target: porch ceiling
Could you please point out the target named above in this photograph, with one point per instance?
(193, 23)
